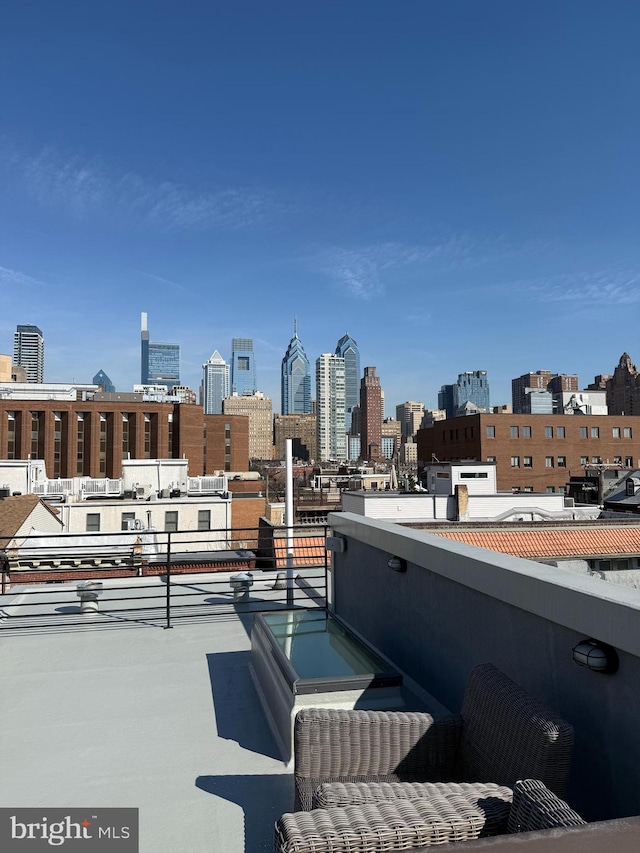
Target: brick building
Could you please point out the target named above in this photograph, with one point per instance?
(534, 452)
(90, 439)
(302, 430)
(541, 380)
(623, 388)
(370, 415)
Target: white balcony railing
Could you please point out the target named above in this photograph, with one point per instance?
(53, 488)
(102, 486)
(206, 485)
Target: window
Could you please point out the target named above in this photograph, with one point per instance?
(147, 436)
(562, 461)
(616, 432)
(527, 461)
(204, 519)
(515, 461)
(491, 432)
(562, 489)
(11, 435)
(617, 460)
(559, 432)
(628, 461)
(514, 431)
(584, 460)
(93, 522)
(548, 432)
(491, 458)
(548, 461)
(595, 432)
(596, 460)
(528, 488)
(584, 433)
(474, 475)
(171, 521)
(551, 490)
(627, 432)
(125, 518)
(526, 432)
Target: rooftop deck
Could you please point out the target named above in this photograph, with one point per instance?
(124, 713)
(117, 711)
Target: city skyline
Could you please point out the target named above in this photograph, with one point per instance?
(455, 185)
(444, 393)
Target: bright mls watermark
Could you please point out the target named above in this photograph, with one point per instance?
(105, 830)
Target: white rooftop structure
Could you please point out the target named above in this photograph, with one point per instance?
(47, 391)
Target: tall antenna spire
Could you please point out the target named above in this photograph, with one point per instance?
(295, 327)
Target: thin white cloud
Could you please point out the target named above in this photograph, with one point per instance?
(162, 280)
(361, 272)
(607, 287)
(19, 279)
(88, 188)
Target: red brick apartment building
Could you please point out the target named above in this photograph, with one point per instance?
(534, 452)
(91, 439)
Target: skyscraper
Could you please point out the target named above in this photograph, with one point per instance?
(472, 387)
(330, 407)
(159, 362)
(101, 378)
(28, 351)
(215, 383)
(370, 415)
(144, 350)
(258, 409)
(539, 382)
(445, 400)
(243, 366)
(347, 349)
(410, 415)
(164, 364)
(296, 378)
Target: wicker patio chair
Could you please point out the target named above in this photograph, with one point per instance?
(535, 807)
(405, 825)
(501, 735)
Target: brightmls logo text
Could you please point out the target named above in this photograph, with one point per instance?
(76, 830)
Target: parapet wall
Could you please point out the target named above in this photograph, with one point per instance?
(456, 606)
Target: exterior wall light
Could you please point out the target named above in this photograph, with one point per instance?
(336, 544)
(596, 656)
(397, 564)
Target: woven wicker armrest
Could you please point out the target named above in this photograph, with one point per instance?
(509, 734)
(535, 807)
(377, 827)
(333, 745)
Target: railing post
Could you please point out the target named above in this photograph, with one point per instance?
(326, 569)
(168, 576)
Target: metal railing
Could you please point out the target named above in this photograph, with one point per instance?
(206, 485)
(158, 577)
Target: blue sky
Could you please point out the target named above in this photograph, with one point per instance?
(453, 182)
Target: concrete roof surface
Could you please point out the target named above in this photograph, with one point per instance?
(133, 715)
